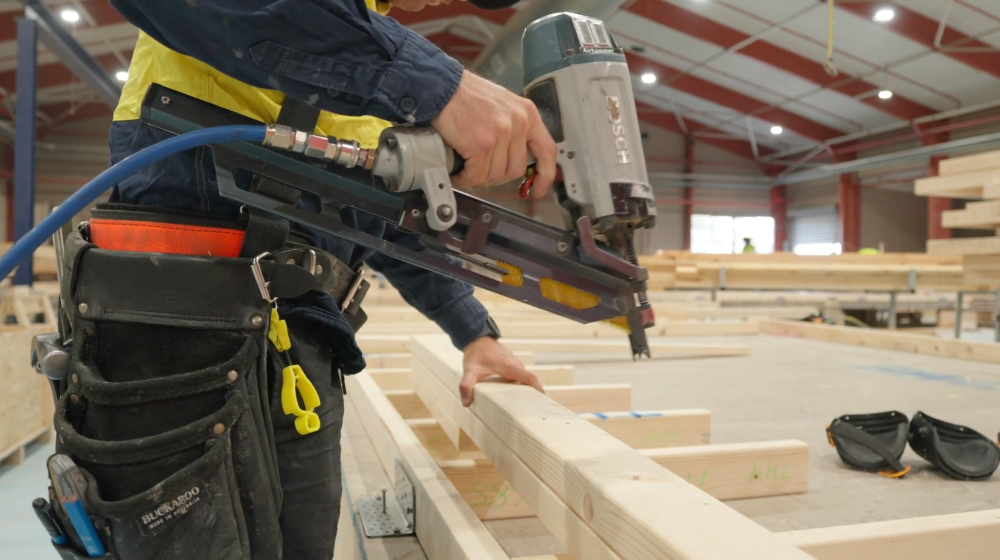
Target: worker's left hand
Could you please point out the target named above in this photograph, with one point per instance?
(486, 357)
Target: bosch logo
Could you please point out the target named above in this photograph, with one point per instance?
(618, 130)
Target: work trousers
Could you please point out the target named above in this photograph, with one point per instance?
(309, 465)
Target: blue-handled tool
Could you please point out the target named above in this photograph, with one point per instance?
(71, 488)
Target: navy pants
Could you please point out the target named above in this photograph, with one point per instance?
(309, 465)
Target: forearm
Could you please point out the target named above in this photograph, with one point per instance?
(333, 54)
(446, 301)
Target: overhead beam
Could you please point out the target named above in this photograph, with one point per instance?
(661, 118)
(706, 29)
(734, 100)
(922, 29)
(70, 53)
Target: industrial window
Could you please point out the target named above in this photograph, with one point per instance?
(725, 234)
(814, 231)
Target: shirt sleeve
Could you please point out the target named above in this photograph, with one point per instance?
(446, 301)
(335, 55)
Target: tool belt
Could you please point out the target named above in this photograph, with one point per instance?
(164, 413)
(134, 229)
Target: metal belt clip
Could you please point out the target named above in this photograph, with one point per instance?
(312, 262)
(349, 295)
(258, 276)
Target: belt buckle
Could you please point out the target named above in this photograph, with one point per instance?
(349, 295)
(258, 276)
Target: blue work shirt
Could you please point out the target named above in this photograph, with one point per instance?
(381, 69)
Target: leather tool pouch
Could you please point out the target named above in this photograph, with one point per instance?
(166, 408)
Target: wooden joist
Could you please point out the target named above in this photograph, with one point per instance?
(983, 270)
(445, 408)
(656, 428)
(966, 185)
(673, 258)
(812, 277)
(888, 340)
(401, 379)
(969, 164)
(735, 471)
(392, 379)
(446, 527)
(964, 246)
(396, 343)
(639, 509)
(621, 348)
(408, 404)
(973, 535)
(485, 490)
(396, 360)
(976, 215)
(670, 323)
(725, 472)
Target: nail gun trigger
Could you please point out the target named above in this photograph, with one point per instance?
(527, 182)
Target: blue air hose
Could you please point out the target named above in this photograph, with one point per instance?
(25, 247)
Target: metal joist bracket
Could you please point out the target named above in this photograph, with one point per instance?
(69, 51)
(911, 280)
(388, 515)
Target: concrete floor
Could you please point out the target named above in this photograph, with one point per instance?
(791, 389)
(21, 534)
(786, 389)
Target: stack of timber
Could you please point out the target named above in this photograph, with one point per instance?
(26, 402)
(22, 307)
(788, 271)
(607, 485)
(976, 178)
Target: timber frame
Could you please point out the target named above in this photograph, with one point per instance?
(607, 485)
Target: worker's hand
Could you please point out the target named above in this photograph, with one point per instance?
(493, 129)
(485, 357)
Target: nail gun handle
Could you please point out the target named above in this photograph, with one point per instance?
(455, 162)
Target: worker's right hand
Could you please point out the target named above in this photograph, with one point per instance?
(493, 129)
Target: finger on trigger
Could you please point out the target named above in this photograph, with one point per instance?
(544, 149)
(517, 161)
(474, 173)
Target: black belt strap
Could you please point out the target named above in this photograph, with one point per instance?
(264, 231)
(299, 116)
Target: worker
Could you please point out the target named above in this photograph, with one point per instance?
(352, 71)
(748, 246)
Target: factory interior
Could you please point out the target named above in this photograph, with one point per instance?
(762, 295)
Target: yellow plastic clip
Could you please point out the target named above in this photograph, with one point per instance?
(295, 384)
(277, 332)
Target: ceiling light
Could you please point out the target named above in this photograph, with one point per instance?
(884, 94)
(884, 15)
(776, 130)
(122, 76)
(70, 15)
(649, 78)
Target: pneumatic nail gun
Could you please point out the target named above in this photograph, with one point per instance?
(588, 271)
